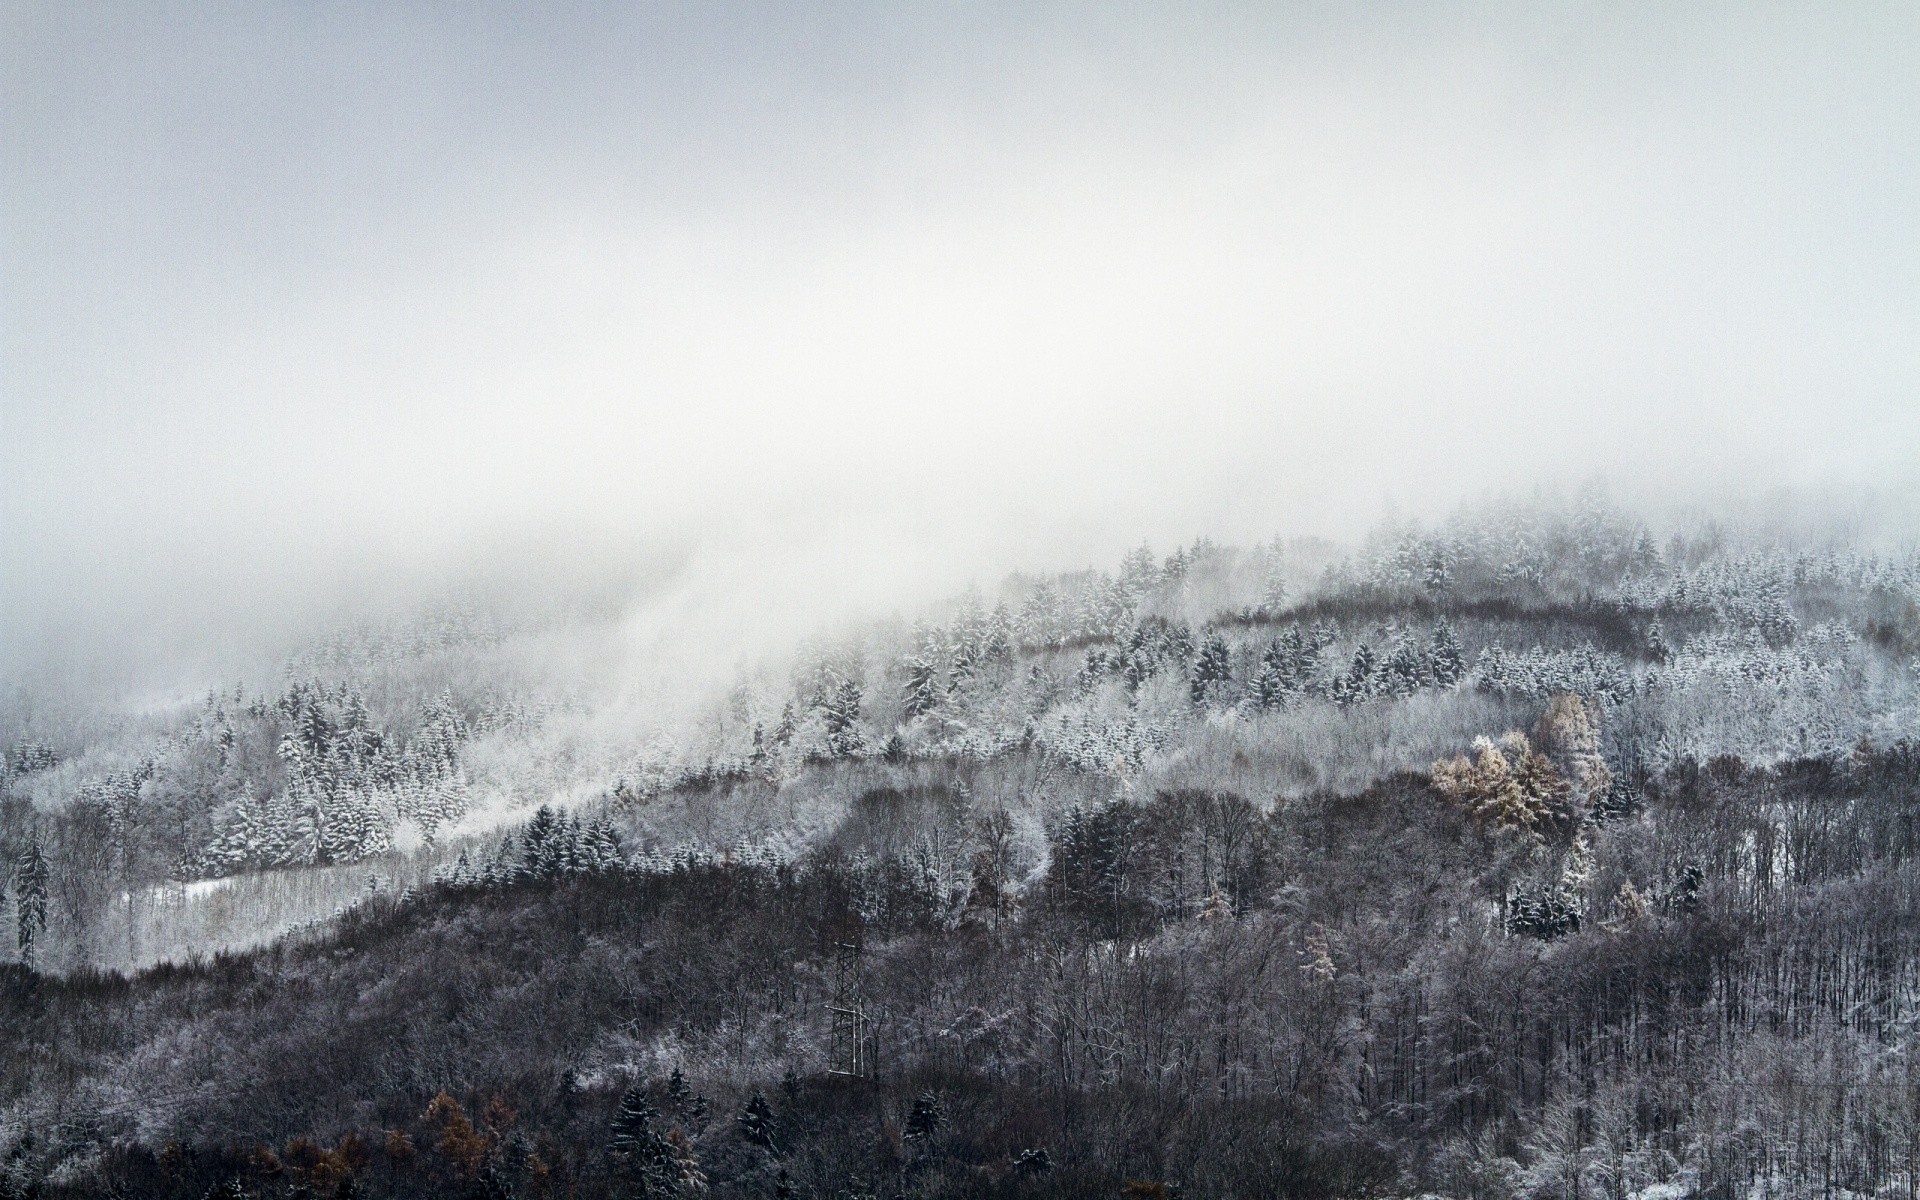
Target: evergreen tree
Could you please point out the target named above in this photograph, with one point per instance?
(1212, 671)
(895, 749)
(757, 1123)
(1405, 670)
(1646, 555)
(1358, 682)
(1273, 590)
(1657, 648)
(1446, 661)
(1039, 622)
(635, 1140)
(1271, 685)
(843, 720)
(238, 844)
(1139, 573)
(924, 1120)
(922, 691)
(603, 849)
(30, 900)
(543, 850)
(999, 636)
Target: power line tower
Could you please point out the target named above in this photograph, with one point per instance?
(851, 1025)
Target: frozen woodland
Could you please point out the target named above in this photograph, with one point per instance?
(1016, 600)
(1535, 853)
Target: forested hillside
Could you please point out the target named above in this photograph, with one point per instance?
(1536, 854)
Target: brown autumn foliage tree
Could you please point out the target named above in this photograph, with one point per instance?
(1509, 785)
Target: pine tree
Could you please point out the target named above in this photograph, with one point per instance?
(237, 845)
(30, 887)
(1039, 622)
(1358, 682)
(633, 1132)
(922, 691)
(843, 721)
(999, 636)
(679, 1165)
(1657, 648)
(543, 849)
(1273, 590)
(924, 1120)
(1646, 555)
(1446, 662)
(757, 1123)
(1268, 690)
(678, 1093)
(604, 852)
(1212, 671)
(895, 749)
(1406, 669)
(1139, 573)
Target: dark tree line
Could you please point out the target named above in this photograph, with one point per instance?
(1328, 997)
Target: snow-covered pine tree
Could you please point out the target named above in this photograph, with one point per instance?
(238, 843)
(1657, 648)
(757, 1122)
(1212, 672)
(632, 1129)
(31, 877)
(1358, 682)
(1270, 688)
(921, 694)
(543, 848)
(999, 641)
(1139, 574)
(1446, 662)
(604, 852)
(1273, 583)
(843, 720)
(1406, 668)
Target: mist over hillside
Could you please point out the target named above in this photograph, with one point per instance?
(1367, 789)
(1021, 600)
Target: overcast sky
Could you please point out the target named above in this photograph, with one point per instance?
(299, 297)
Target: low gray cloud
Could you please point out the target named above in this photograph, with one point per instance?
(839, 307)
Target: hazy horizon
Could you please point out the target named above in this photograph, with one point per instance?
(834, 311)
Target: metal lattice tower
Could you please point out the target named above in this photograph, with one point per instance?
(850, 1022)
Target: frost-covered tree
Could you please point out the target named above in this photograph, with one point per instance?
(31, 877)
(757, 1123)
(1274, 681)
(1358, 682)
(921, 693)
(1446, 662)
(1212, 672)
(842, 713)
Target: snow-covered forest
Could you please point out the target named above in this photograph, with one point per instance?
(1010, 601)
(1538, 852)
